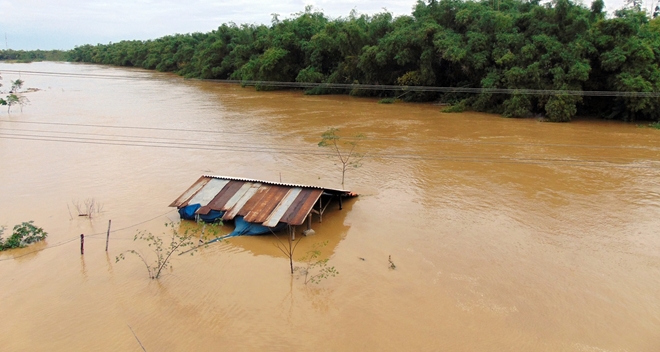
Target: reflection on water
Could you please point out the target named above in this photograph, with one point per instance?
(507, 234)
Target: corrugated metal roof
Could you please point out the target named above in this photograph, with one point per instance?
(261, 202)
(277, 183)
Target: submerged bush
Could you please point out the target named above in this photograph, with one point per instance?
(458, 107)
(23, 234)
(387, 101)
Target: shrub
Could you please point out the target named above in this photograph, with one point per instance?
(458, 107)
(387, 101)
(22, 235)
(317, 269)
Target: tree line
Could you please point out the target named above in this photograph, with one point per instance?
(502, 44)
(33, 55)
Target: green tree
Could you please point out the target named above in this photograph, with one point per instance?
(14, 99)
(506, 44)
(16, 85)
(22, 235)
(178, 243)
(345, 152)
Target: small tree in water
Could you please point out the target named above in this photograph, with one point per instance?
(287, 248)
(16, 85)
(13, 98)
(346, 152)
(178, 243)
(317, 269)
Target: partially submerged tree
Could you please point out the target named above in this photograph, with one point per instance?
(2, 101)
(88, 208)
(13, 98)
(178, 242)
(287, 248)
(317, 269)
(16, 85)
(345, 151)
(22, 235)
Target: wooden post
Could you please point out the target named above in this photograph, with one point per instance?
(293, 233)
(290, 253)
(309, 221)
(82, 244)
(107, 237)
(321, 209)
(340, 202)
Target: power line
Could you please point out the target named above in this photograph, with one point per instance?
(192, 145)
(92, 235)
(423, 140)
(411, 157)
(185, 146)
(168, 142)
(131, 226)
(231, 147)
(40, 133)
(160, 141)
(80, 75)
(144, 128)
(39, 250)
(379, 87)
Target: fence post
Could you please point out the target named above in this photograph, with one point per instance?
(82, 244)
(107, 237)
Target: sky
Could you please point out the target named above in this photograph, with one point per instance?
(64, 24)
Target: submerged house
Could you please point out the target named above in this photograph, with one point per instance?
(256, 206)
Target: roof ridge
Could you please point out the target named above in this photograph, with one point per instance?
(276, 183)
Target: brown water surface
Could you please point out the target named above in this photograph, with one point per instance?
(507, 234)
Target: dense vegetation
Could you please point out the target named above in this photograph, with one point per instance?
(32, 55)
(511, 44)
(22, 235)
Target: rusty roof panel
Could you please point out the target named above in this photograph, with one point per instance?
(218, 203)
(251, 191)
(182, 200)
(295, 205)
(203, 210)
(208, 192)
(302, 206)
(269, 201)
(281, 208)
(238, 195)
(256, 199)
(261, 202)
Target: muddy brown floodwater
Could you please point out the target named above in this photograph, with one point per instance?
(507, 234)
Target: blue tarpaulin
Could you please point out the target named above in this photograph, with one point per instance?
(188, 212)
(243, 228)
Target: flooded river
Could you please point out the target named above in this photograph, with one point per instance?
(507, 234)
